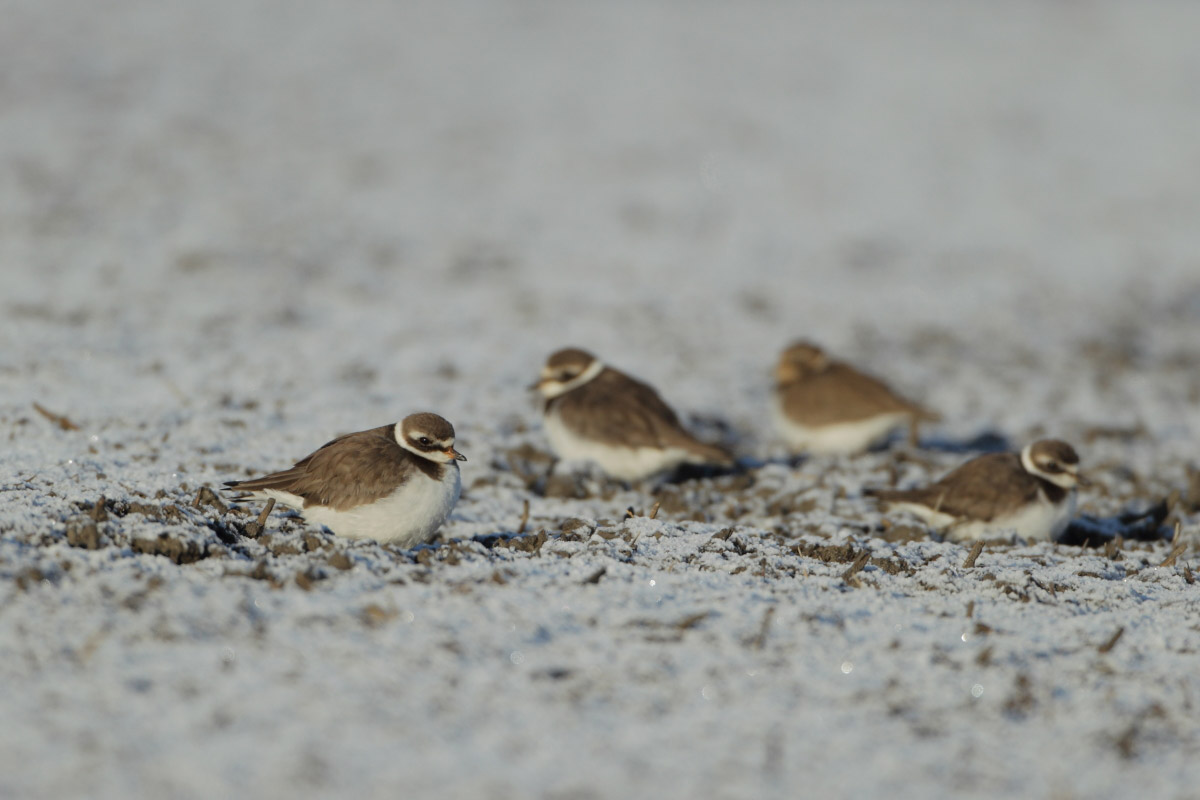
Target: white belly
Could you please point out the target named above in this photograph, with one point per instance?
(408, 517)
(1034, 522)
(839, 438)
(1038, 521)
(623, 463)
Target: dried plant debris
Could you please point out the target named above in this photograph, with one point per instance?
(83, 533)
(58, 419)
(181, 550)
(207, 497)
(1111, 642)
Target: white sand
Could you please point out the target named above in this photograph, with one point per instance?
(230, 230)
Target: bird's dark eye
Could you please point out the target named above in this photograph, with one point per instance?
(566, 376)
(424, 440)
(1052, 466)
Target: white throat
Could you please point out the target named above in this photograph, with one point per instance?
(1063, 480)
(554, 390)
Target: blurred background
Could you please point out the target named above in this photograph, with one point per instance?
(263, 197)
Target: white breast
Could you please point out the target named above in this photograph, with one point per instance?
(841, 437)
(623, 463)
(407, 517)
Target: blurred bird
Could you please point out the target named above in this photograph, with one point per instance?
(829, 407)
(596, 413)
(1032, 493)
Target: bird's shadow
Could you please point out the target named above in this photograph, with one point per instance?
(1086, 530)
(985, 442)
(694, 472)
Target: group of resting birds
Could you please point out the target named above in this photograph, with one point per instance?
(398, 483)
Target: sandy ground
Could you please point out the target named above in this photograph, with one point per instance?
(230, 230)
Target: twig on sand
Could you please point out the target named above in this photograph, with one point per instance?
(692, 620)
(976, 549)
(760, 638)
(254, 529)
(99, 512)
(631, 512)
(58, 419)
(524, 517)
(595, 576)
(207, 497)
(861, 561)
(1112, 550)
(1112, 642)
(266, 512)
(1175, 553)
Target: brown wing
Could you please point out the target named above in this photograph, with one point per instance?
(840, 393)
(984, 488)
(348, 471)
(617, 408)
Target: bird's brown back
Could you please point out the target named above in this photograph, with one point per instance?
(614, 407)
(349, 471)
(840, 393)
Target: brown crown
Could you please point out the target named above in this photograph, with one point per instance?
(570, 357)
(428, 424)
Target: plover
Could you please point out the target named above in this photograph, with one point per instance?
(828, 407)
(599, 414)
(396, 483)
(1031, 493)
